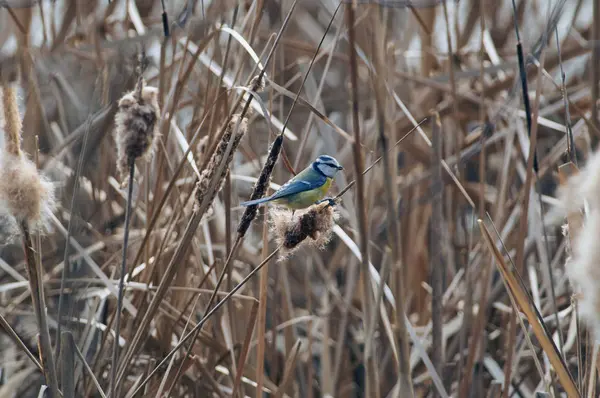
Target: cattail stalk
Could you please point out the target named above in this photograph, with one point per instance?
(115, 354)
(135, 135)
(39, 307)
(27, 182)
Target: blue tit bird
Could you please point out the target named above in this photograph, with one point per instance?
(307, 187)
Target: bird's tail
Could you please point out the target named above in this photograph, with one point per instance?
(256, 201)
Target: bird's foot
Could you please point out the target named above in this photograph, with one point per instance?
(331, 201)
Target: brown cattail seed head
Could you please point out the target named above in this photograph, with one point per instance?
(136, 126)
(25, 194)
(292, 231)
(12, 120)
(261, 185)
(233, 136)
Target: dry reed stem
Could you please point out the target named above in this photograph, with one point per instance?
(263, 286)
(245, 348)
(290, 365)
(39, 306)
(528, 309)
(531, 167)
(437, 253)
(19, 342)
(361, 208)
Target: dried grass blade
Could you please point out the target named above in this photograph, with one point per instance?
(245, 348)
(290, 365)
(67, 365)
(17, 340)
(526, 306)
(87, 366)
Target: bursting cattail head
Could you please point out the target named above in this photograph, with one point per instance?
(225, 149)
(24, 193)
(293, 231)
(136, 126)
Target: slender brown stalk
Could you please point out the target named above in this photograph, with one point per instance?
(436, 262)
(361, 208)
(290, 364)
(115, 353)
(405, 387)
(39, 307)
(19, 342)
(262, 313)
(245, 350)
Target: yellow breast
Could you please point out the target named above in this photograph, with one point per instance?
(305, 199)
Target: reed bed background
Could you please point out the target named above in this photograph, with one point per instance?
(459, 257)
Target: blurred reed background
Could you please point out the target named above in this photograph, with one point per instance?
(473, 114)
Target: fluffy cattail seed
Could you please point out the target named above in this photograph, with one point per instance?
(136, 126)
(292, 230)
(25, 194)
(584, 255)
(230, 136)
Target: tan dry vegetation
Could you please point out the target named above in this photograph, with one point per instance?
(214, 303)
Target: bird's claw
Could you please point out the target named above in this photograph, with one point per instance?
(331, 201)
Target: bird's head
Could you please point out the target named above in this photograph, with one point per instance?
(327, 165)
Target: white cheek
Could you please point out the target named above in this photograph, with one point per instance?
(328, 170)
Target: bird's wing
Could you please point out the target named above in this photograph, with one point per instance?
(305, 181)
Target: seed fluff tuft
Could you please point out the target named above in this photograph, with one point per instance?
(136, 127)
(292, 232)
(24, 193)
(581, 191)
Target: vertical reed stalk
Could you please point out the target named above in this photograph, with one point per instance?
(39, 307)
(437, 255)
(115, 354)
(361, 208)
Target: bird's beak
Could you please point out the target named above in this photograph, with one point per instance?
(340, 167)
